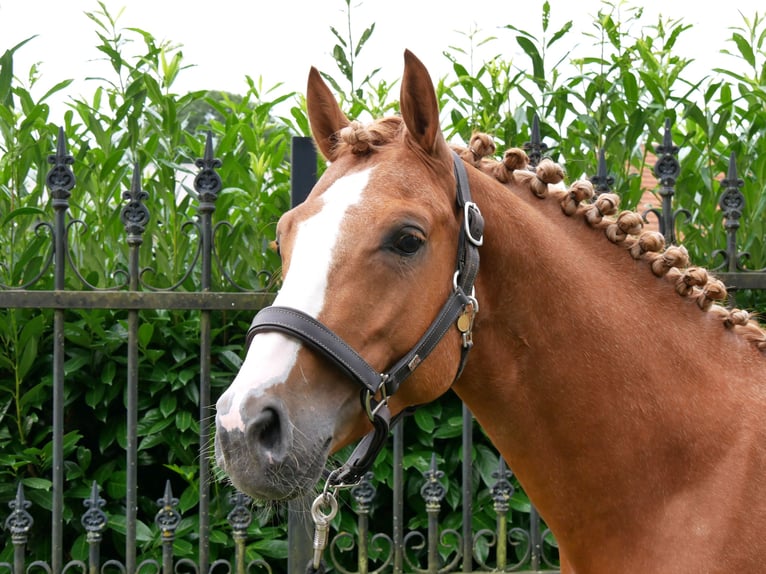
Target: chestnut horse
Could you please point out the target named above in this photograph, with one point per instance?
(631, 408)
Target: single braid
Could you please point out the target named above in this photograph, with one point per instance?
(687, 279)
(503, 171)
(735, 317)
(479, 147)
(673, 256)
(547, 172)
(605, 204)
(627, 223)
(647, 242)
(578, 192)
(515, 158)
(714, 290)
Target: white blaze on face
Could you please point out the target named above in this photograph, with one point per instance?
(272, 356)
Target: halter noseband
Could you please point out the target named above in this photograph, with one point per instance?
(460, 307)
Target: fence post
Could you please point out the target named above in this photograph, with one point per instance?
(303, 177)
(134, 216)
(207, 184)
(666, 170)
(60, 181)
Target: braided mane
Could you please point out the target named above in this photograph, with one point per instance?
(623, 228)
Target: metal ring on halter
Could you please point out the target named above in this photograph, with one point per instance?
(470, 208)
(326, 499)
(473, 301)
(369, 396)
(455, 287)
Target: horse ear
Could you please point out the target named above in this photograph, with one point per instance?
(325, 116)
(419, 107)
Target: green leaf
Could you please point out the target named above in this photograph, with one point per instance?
(272, 548)
(37, 483)
(145, 333)
(168, 405)
(424, 420)
(21, 211)
(745, 49)
(6, 73)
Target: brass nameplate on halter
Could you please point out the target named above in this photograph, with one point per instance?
(465, 321)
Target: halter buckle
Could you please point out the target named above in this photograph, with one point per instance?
(474, 223)
(370, 406)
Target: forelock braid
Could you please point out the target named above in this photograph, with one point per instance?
(362, 139)
(357, 137)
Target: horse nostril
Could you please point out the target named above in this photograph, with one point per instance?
(265, 432)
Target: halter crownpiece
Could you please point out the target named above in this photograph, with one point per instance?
(459, 309)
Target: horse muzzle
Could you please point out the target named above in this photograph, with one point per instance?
(264, 456)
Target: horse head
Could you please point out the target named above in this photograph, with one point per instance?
(368, 261)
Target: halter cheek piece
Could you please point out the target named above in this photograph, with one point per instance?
(460, 308)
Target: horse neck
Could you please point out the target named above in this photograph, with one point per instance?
(607, 378)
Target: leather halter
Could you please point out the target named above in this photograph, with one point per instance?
(461, 307)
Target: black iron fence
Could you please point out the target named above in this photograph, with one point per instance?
(510, 545)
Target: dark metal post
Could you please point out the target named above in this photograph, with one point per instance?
(304, 172)
(502, 491)
(60, 181)
(433, 493)
(134, 217)
(666, 170)
(19, 522)
(398, 510)
(363, 494)
(535, 539)
(239, 519)
(303, 177)
(207, 184)
(467, 490)
(94, 521)
(732, 203)
(602, 181)
(167, 520)
(535, 148)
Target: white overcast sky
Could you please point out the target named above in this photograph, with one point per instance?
(280, 39)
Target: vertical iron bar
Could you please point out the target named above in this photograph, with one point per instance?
(602, 181)
(433, 493)
(207, 184)
(502, 491)
(167, 520)
(94, 521)
(535, 148)
(302, 178)
(534, 538)
(467, 489)
(732, 204)
(239, 519)
(19, 522)
(60, 181)
(398, 510)
(666, 170)
(363, 494)
(134, 217)
(304, 172)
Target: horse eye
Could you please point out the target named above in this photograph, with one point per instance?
(408, 244)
